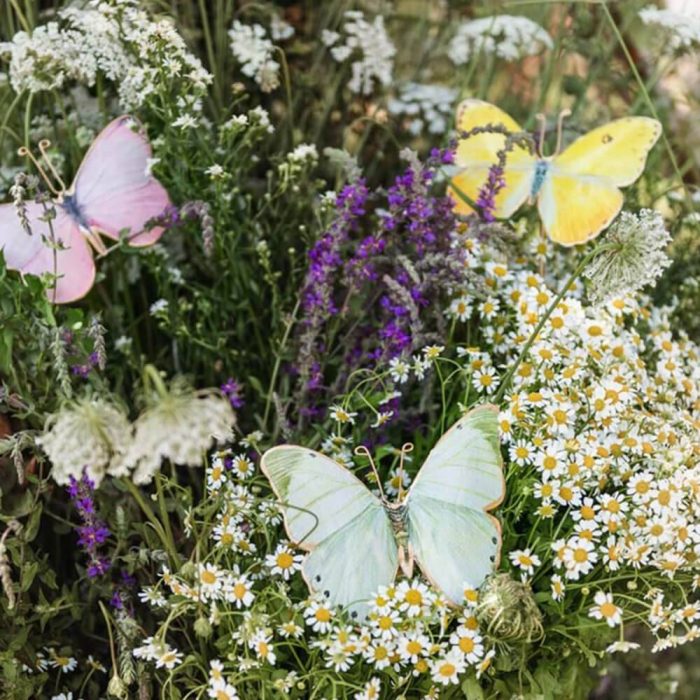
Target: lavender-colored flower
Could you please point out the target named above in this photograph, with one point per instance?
(379, 277)
(233, 391)
(486, 201)
(93, 532)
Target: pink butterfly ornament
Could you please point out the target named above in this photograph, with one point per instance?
(113, 190)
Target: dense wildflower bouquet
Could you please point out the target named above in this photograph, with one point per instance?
(298, 398)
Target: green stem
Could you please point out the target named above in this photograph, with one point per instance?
(108, 622)
(152, 375)
(169, 544)
(163, 509)
(278, 361)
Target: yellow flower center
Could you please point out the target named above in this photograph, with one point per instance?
(466, 644)
(285, 560)
(380, 653)
(608, 610)
(208, 577)
(413, 597)
(323, 615)
(447, 670)
(580, 555)
(385, 622)
(414, 647)
(239, 590)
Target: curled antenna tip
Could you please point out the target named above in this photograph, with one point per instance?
(361, 450)
(22, 151)
(407, 447)
(44, 143)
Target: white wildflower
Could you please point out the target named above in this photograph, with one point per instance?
(680, 30)
(636, 258)
(93, 435)
(181, 426)
(425, 107)
(370, 47)
(254, 51)
(504, 36)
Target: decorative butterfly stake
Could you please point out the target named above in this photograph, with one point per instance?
(577, 190)
(356, 541)
(112, 192)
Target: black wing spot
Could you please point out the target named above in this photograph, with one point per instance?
(494, 540)
(607, 138)
(353, 615)
(327, 594)
(312, 454)
(492, 558)
(318, 578)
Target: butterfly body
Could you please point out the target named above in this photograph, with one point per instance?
(112, 193)
(577, 190)
(356, 541)
(398, 515)
(69, 204)
(541, 170)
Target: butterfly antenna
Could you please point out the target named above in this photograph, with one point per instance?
(560, 127)
(362, 451)
(405, 449)
(543, 127)
(24, 152)
(44, 144)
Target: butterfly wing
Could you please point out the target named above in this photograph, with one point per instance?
(72, 262)
(453, 539)
(580, 196)
(333, 515)
(477, 154)
(114, 190)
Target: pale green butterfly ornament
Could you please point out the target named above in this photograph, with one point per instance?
(357, 541)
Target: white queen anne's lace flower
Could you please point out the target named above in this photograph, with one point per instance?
(426, 107)
(254, 51)
(116, 40)
(369, 45)
(92, 435)
(681, 31)
(180, 427)
(636, 256)
(509, 37)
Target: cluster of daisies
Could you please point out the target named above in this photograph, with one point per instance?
(601, 422)
(254, 598)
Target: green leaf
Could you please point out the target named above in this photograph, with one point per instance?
(6, 338)
(32, 526)
(472, 689)
(29, 572)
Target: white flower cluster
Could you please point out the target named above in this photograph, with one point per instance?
(298, 161)
(509, 37)
(180, 427)
(96, 436)
(254, 51)
(81, 44)
(604, 421)
(410, 628)
(115, 39)
(681, 31)
(635, 259)
(428, 107)
(370, 47)
(92, 435)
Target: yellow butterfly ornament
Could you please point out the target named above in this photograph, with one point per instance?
(577, 189)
